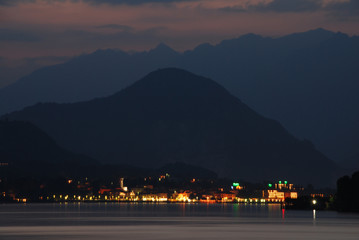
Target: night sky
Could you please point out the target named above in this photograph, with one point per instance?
(35, 28)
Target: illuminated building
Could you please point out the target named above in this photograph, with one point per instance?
(236, 186)
(279, 192)
(181, 197)
(314, 195)
(121, 185)
(225, 197)
(155, 197)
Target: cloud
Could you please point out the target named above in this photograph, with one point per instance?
(290, 6)
(93, 2)
(279, 6)
(131, 2)
(88, 36)
(75, 40)
(234, 9)
(12, 35)
(116, 27)
(344, 9)
(14, 2)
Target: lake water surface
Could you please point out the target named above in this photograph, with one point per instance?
(137, 221)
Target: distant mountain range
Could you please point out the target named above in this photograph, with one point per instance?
(172, 115)
(307, 81)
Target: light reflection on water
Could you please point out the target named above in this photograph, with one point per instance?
(171, 221)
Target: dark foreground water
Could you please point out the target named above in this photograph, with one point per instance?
(135, 221)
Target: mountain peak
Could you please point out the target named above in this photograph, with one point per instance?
(162, 45)
(320, 30)
(314, 35)
(162, 49)
(176, 82)
(172, 115)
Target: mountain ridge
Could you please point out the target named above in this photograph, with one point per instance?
(293, 79)
(172, 115)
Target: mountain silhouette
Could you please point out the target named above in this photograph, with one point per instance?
(307, 81)
(172, 115)
(30, 151)
(27, 151)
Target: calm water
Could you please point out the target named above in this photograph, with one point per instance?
(171, 221)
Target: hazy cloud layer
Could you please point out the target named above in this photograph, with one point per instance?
(350, 8)
(289, 6)
(131, 2)
(14, 2)
(116, 27)
(12, 35)
(96, 2)
(340, 7)
(296, 6)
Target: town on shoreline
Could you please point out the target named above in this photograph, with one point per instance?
(165, 189)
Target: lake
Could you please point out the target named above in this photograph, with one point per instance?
(137, 221)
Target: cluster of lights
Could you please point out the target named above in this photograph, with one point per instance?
(280, 182)
(251, 200)
(180, 197)
(152, 199)
(236, 185)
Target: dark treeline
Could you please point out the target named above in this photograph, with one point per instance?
(347, 198)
